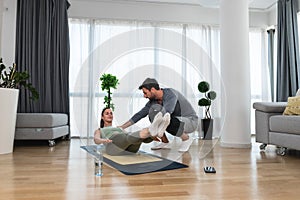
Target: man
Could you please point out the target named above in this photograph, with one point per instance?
(184, 119)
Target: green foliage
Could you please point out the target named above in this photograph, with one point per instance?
(108, 81)
(209, 96)
(203, 86)
(16, 80)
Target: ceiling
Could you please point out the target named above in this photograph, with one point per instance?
(259, 5)
(253, 4)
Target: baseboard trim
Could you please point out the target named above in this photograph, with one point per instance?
(234, 145)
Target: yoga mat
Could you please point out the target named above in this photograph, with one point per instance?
(132, 159)
(133, 166)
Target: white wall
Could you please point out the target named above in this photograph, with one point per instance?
(273, 16)
(155, 12)
(8, 30)
(143, 11)
(117, 10)
(1, 18)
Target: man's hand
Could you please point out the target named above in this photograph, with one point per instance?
(156, 139)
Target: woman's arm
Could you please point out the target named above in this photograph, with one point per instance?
(98, 139)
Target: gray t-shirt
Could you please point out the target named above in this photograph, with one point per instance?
(173, 102)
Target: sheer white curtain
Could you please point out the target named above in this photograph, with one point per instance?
(206, 56)
(177, 55)
(99, 47)
(80, 49)
(259, 71)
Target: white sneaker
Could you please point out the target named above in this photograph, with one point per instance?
(161, 145)
(164, 125)
(153, 128)
(185, 145)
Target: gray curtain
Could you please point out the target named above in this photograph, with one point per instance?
(42, 49)
(288, 69)
(271, 33)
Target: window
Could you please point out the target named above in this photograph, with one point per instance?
(177, 55)
(259, 71)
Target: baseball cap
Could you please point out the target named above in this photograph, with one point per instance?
(147, 82)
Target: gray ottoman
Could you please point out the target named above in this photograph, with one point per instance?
(41, 126)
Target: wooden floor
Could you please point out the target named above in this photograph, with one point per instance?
(66, 172)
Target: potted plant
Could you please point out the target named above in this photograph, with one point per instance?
(108, 81)
(10, 82)
(209, 96)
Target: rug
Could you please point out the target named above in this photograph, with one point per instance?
(139, 163)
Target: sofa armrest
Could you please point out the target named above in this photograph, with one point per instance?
(270, 107)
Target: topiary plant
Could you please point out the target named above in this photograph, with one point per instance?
(108, 81)
(16, 80)
(203, 87)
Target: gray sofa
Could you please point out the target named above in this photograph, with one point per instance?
(272, 127)
(41, 126)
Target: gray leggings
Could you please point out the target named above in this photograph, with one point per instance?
(125, 143)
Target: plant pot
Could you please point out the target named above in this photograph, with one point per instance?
(8, 107)
(207, 128)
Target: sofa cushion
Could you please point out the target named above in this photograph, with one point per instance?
(293, 106)
(270, 107)
(285, 124)
(41, 133)
(41, 120)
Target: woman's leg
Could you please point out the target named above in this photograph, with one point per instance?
(122, 141)
(133, 148)
(143, 134)
(118, 144)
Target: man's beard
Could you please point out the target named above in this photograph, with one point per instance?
(152, 98)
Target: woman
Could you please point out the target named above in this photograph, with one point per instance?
(119, 142)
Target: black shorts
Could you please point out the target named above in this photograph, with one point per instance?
(176, 127)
